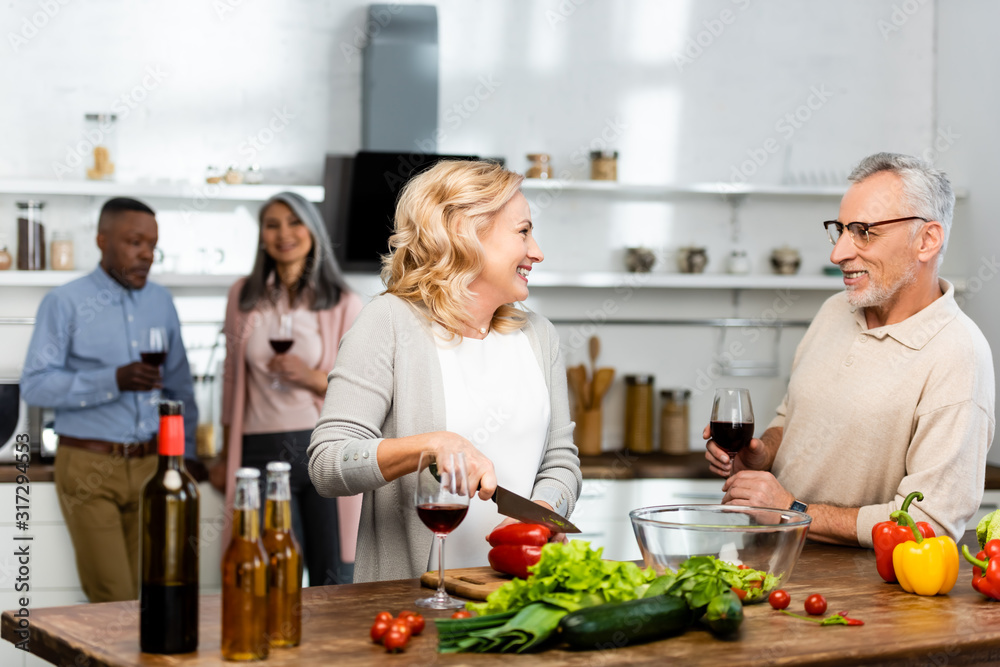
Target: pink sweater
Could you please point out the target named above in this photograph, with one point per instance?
(333, 323)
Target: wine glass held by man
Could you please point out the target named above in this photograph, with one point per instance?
(295, 278)
(445, 359)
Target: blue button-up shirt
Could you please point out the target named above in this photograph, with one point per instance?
(87, 329)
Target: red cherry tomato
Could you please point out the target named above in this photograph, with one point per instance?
(815, 604)
(395, 639)
(461, 613)
(384, 616)
(740, 593)
(415, 621)
(401, 625)
(742, 566)
(779, 599)
(378, 630)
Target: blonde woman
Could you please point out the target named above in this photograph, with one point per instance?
(444, 358)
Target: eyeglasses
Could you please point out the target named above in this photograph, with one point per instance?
(859, 230)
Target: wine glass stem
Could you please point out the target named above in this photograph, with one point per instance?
(441, 593)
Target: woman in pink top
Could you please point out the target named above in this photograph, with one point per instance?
(275, 378)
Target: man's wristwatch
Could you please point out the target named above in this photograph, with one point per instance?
(798, 506)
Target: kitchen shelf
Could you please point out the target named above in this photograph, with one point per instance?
(662, 191)
(172, 190)
(683, 281)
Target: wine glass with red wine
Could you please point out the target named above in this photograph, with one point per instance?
(153, 351)
(732, 419)
(281, 341)
(442, 499)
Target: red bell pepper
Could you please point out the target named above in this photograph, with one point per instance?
(514, 558)
(986, 569)
(529, 534)
(887, 534)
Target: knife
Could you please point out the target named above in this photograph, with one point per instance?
(520, 508)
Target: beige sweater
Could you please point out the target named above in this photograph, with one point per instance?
(873, 414)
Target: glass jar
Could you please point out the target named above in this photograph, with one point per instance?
(30, 236)
(639, 413)
(604, 165)
(99, 133)
(62, 251)
(5, 259)
(674, 428)
(254, 175)
(539, 167)
(213, 174)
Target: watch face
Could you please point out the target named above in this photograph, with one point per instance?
(799, 506)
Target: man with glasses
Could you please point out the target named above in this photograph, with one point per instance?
(892, 387)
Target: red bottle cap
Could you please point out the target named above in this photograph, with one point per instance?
(171, 438)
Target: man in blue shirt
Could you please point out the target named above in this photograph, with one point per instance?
(84, 361)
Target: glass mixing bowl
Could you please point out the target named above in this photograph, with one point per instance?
(764, 539)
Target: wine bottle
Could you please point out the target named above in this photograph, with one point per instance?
(284, 591)
(244, 576)
(168, 549)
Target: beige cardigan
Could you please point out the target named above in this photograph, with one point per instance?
(333, 324)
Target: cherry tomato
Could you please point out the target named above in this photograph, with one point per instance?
(378, 630)
(779, 599)
(416, 621)
(395, 639)
(742, 566)
(740, 593)
(401, 625)
(384, 616)
(461, 613)
(815, 604)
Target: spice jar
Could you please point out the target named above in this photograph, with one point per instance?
(5, 258)
(639, 413)
(100, 132)
(30, 236)
(539, 167)
(62, 252)
(604, 165)
(674, 421)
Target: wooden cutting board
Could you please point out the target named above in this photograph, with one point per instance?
(474, 583)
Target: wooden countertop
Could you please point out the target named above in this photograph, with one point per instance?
(961, 628)
(607, 465)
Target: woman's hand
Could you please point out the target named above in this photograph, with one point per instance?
(752, 457)
(478, 468)
(291, 369)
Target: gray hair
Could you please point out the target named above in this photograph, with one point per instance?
(322, 275)
(926, 189)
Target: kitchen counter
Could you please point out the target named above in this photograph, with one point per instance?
(961, 628)
(607, 465)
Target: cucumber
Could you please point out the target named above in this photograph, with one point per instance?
(724, 614)
(616, 624)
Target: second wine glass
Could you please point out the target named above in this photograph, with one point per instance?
(281, 341)
(442, 500)
(732, 419)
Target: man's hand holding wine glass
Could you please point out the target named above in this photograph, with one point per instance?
(752, 457)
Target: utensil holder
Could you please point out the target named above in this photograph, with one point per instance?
(587, 435)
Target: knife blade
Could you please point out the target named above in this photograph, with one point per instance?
(520, 508)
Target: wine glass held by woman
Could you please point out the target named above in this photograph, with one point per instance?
(294, 275)
(445, 359)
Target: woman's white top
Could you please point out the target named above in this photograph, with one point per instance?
(495, 396)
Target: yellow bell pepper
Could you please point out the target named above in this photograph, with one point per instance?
(928, 566)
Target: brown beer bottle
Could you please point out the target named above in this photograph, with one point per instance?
(284, 591)
(244, 576)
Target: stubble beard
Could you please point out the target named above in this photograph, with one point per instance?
(881, 295)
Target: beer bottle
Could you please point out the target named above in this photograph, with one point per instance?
(284, 591)
(244, 576)
(168, 548)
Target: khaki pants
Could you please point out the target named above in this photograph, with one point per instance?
(99, 497)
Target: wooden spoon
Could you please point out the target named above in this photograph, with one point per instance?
(602, 382)
(595, 350)
(577, 376)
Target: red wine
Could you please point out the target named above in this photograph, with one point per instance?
(168, 621)
(731, 436)
(281, 345)
(442, 518)
(153, 358)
